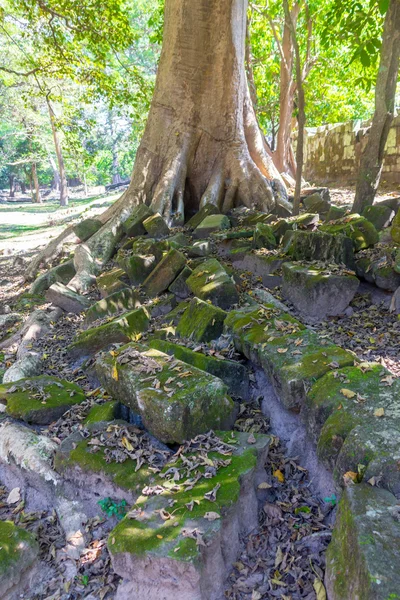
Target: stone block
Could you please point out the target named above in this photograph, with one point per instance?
(19, 552)
(359, 229)
(192, 401)
(264, 237)
(315, 203)
(210, 224)
(139, 262)
(65, 298)
(86, 228)
(156, 227)
(316, 245)
(205, 211)
(40, 400)
(363, 557)
(379, 215)
(119, 330)
(111, 281)
(179, 286)
(164, 273)
(317, 294)
(134, 225)
(62, 273)
(210, 281)
(124, 300)
(189, 555)
(201, 321)
(232, 373)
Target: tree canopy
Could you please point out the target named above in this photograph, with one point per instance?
(96, 64)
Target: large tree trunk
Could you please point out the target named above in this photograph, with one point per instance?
(60, 160)
(385, 91)
(202, 142)
(38, 197)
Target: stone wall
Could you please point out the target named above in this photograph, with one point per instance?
(332, 153)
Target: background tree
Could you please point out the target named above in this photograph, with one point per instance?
(385, 93)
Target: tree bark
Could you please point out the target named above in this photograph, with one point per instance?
(11, 180)
(287, 91)
(56, 184)
(202, 142)
(60, 160)
(385, 91)
(38, 197)
(301, 119)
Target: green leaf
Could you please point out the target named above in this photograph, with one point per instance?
(365, 58)
(383, 6)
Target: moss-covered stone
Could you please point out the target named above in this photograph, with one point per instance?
(264, 237)
(363, 557)
(315, 203)
(200, 248)
(253, 326)
(210, 224)
(379, 215)
(359, 229)
(316, 245)
(315, 293)
(135, 542)
(102, 412)
(232, 373)
(296, 361)
(192, 401)
(156, 227)
(139, 262)
(201, 321)
(19, 551)
(86, 228)
(211, 282)
(373, 448)
(40, 400)
(126, 299)
(134, 225)
(259, 262)
(75, 459)
(335, 213)
(67, 299)
(208, 209)
(179, 240)
(62, 273)
(179, 286)
(330, 415)
(111, 281)
(164, 273)
(119, 330)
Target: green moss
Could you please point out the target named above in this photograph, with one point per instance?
(155, 536)
(28, 301)
(111, 281)
(123, 474)
(232, 373)
(201, 321)
(120, 329)
(359, 229)
(210, 281)
(40, 399)
(198, 404)
(101, 412)
(16, 544)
